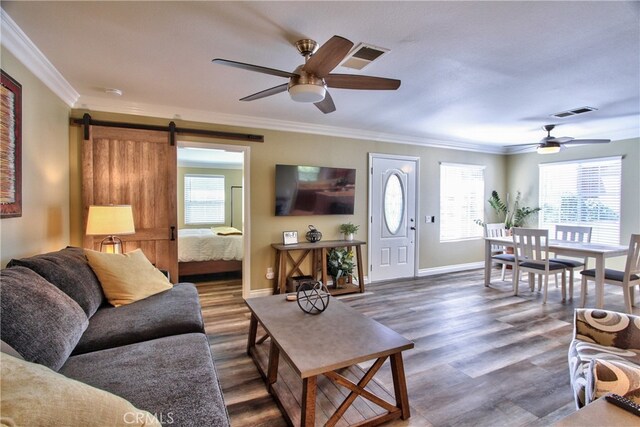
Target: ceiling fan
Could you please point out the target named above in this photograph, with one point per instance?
(309, 81)
(550, 144)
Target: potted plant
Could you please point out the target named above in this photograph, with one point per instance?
(340, 266)
(348, 230)
(512, 216)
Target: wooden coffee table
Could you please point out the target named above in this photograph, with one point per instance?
(326, 346)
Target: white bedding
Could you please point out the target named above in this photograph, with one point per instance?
(202, 244)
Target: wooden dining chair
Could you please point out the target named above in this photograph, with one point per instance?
(628, 278)
(572, 233)
(498, 254)
(532, 256)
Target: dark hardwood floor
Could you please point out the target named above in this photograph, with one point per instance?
(482, 357)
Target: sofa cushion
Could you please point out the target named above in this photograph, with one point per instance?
(42, 323)
(68, 270)
(176, 311)
(608, 328)
(613, 376)
(172, 377)
(127, 278)
(33, 395)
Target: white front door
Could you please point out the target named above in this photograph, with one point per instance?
(393, 217)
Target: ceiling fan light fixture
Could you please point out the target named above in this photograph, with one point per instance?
(307, 93)
(549, 148)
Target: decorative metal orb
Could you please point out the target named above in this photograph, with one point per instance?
(313, 298)
(313, 235)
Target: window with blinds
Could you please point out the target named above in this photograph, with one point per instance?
(584, 192)
(204, 199)
(461, 201)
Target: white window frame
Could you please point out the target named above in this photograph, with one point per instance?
(599, 207)
(205, 210)
(462, 199)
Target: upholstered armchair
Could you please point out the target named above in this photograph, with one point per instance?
(604, 356)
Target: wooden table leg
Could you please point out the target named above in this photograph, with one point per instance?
(599, 281)
(360, 268)
(276, 283)
(309, 391)
(487, 262)
(253, 330)
(400, 385)
(272, 372)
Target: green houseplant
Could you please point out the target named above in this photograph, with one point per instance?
(512, 215)
(340, 265)
(348, 230)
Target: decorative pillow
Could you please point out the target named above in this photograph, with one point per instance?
(33, 395)
(226, 231)
(38, 320)
(612, 376)
(127, 278)
(69, 271)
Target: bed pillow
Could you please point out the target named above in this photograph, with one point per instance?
(33, 395)
(68, 270)
(613, 376)
(226, 231)
(127, 278)
(42, 323)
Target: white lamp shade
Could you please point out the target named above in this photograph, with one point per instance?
(307, 93)
(549, 149)
(110, 220)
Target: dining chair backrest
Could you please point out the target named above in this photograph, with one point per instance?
(531, 244)
(496, 230)
(633, 257)
(573, 233)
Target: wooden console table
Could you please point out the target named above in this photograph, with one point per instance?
(289, 260)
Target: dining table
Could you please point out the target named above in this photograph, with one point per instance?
(597, 251)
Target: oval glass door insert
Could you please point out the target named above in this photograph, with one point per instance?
(393, 203)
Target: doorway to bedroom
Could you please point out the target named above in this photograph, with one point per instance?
(212, 200)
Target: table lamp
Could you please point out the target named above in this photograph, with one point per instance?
(110, 220)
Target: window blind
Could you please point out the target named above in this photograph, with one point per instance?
(585, 192)
(204, 199)
(461, 201)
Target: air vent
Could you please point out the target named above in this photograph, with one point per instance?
(574, 112)
(363, 55)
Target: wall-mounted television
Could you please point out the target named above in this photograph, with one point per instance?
(314, 190)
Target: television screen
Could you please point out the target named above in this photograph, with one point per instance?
(314, 190)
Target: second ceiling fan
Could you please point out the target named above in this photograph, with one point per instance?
(309, 81)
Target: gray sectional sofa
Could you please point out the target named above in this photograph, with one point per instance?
(153, 352)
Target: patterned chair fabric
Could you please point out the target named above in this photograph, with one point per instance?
(605, 344)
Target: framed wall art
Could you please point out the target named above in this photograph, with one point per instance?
(10, 147)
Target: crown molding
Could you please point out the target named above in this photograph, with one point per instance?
(173, 113)
(19, 44)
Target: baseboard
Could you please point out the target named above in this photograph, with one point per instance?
(254, 293)
(449, 269)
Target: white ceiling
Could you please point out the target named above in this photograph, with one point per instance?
(477, 75)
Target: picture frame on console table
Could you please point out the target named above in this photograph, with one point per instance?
(10, 147)
(289, 237)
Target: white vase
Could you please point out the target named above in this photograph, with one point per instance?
(348, 236)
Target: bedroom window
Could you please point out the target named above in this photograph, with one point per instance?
(583, 192)
(204, 199)
(461, 201)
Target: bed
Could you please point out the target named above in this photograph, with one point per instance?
(209, 250)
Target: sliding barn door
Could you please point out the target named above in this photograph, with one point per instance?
(138, 168)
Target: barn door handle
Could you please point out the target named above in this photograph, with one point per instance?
(173, 233)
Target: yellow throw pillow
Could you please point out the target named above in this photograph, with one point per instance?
(34, 395)
(226, 231)
(127, 278)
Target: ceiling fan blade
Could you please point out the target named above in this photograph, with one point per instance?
(587, 141)
(561, 140)
(328, 56)
(267, 92)
(251, 67)
(352, 81)
(326, 105)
